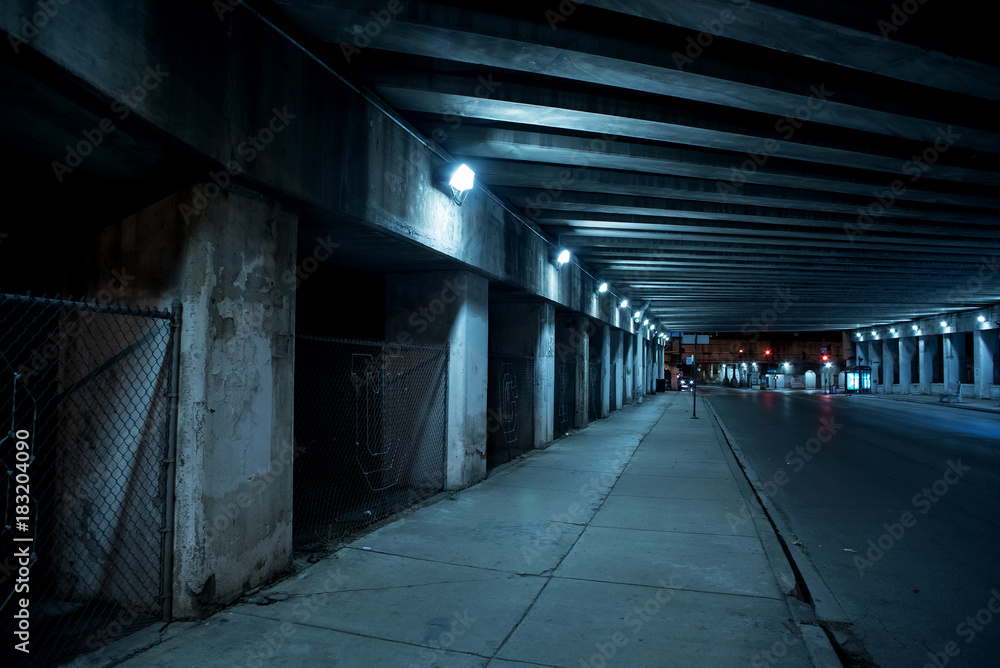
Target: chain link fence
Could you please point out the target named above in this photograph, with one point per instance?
(370, 422)
(594, 391)
(565, 397)
(510, 408)
(85, 443)
(613, 398)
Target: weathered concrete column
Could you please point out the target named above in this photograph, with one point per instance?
(925, 364)
(628, 368)
(605, 370)
(581, 418)
(618, 353)
(861, 356)
(640, 351)
(232, 264)
(545, 376)
(651, 367)
(450, 307)
(953, 346)
(984, 343)
(906, 353)
(889, 355)
(875, 362)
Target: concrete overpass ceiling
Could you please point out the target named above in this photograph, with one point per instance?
(834, 164)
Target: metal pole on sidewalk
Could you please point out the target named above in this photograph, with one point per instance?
(694, 382)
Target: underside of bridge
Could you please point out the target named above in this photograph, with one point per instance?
(709, 156)
(267, 180)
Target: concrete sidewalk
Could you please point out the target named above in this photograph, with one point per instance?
(635, 542)
(967, 403)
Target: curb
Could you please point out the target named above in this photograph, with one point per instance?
(980, 409)
(806, 581)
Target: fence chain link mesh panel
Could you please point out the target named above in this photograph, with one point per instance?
(565, 397)
(86, 420)
(613, 398)
(370, 422)
(510, 408)
(594, 391)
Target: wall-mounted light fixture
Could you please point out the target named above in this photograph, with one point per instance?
(562, 257)
(624, 304)
(602, 288)
(981, 318)
(460, 178)
(944, 323)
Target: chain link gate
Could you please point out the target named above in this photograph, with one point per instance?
(565, 397)
(370, 421)
(88, 405)
(510, 408)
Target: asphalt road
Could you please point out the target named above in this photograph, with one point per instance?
(897, 506)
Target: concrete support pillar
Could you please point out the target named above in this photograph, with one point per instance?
(861, 356)
(907, 350)
(232, 265)
(985, 344)
(655, 365)
(545, 376)
(889, 355)
(628, 368)
(464, 326)
(640, 350)
(580, 418)
(618, 353)
(926, 351)
(605, 370)
(952, 345)
(875, 362)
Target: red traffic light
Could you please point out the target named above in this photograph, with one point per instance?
(741, 351)
(825, 358)
(767, 352)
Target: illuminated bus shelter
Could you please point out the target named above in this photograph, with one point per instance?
(859, 380)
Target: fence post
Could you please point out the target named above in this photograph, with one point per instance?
(169, 462)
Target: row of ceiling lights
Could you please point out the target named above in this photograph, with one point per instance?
(462, 179)
(916, 328)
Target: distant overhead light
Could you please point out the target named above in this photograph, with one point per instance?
(892, 330)
(603, 287)
(563, 257)
(944, 323)
(646, 321)
(916, 328)
(981, 318)
(624, 304)
(874, 332)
